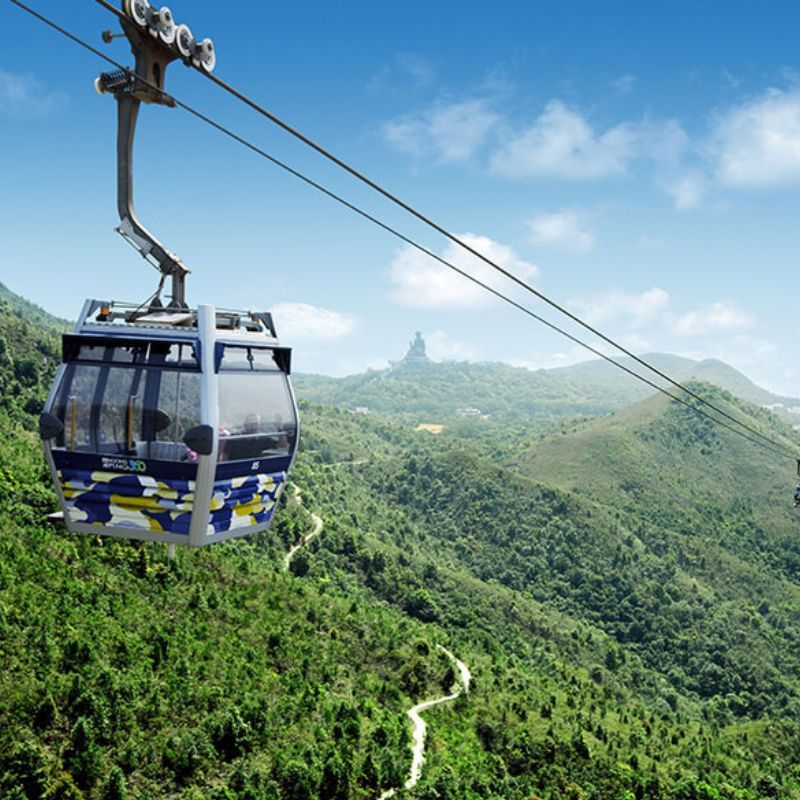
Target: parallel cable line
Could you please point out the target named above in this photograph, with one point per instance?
(451, 236)
(762, 440)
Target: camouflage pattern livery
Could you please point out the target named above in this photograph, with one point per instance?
(128, 500)
(245, 501)
(165, 505)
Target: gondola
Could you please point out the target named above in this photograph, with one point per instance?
(164, 422)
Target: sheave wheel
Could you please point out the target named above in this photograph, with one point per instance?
(137, 11)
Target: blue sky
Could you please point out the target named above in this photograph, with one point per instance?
(639, 163)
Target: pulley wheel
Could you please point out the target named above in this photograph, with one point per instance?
(166, 26)
(206, 55)
(184, 41)
(137, 11)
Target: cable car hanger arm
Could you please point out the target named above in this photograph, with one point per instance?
(150, 40)
(130, 228)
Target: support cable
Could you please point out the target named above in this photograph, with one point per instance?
(762, 440)
(291, 130)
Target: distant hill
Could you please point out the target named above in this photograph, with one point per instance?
(660, 461)
(29, 350)
(426, 391)
(625, 594)
(24, 309)
(602, 374)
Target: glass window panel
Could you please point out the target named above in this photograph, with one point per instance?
(248, 359)
(131, 411)
(120, 355)
(170, 354)
(173, 354)
(179, 403)
(120, 411)
(257, 415)
(73, 407)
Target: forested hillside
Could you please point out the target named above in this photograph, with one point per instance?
(29, 347)
(626, 640)
(422, 390)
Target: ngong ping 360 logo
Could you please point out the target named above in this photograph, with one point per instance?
(124, 464)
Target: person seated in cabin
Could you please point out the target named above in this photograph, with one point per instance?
(797, 496)
(252, 424)
(255, 438)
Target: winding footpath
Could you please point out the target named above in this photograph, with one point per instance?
(418, 747)
(461, 685)
(307, 537)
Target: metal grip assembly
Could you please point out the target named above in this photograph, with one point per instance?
(160, 24)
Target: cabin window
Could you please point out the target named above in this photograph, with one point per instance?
(99, 350)
(257, 415)
(127, 410)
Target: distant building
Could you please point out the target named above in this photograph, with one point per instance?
(362, 410)
(416, 349)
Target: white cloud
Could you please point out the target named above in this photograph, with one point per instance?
(440, 347)
(635, 310)
(562, 144)
(624, 83)
(450, 133)
(723, 316)
(562, 230)
(688, 190)
(559, 143)
(421, 282)
(300, 322)
(406, 70)
(21, 94)
(757, 144)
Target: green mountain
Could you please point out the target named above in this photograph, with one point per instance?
(619, 649)
(24, 309)
(601, 374)
(29, 347)
(425, 391)
(667, 464)
(653, 524)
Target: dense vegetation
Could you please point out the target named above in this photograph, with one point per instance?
(627, 638)
(29, 346)
(424, 391)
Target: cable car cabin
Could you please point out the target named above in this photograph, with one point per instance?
(173, 426)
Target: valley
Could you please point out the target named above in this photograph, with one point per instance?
(623, 583)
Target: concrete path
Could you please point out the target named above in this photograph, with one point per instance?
(307, 537)
(418, 746)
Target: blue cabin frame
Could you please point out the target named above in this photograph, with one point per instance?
(178, 426)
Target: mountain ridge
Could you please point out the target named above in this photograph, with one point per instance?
(441, 391)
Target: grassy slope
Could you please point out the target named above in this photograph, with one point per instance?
(659, 461)
(218, 677)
